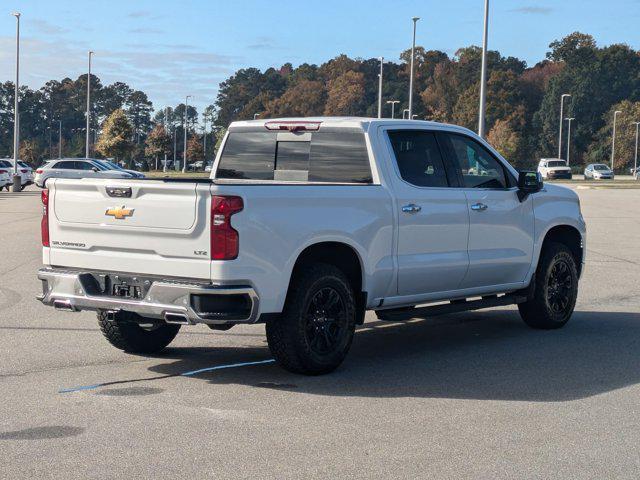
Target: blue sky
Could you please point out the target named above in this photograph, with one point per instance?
(173, 48)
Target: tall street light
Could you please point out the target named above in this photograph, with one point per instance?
(88, 132)
(405, 113)
(186, 119)
(564, 95)
(613, 138)
(59, 138)
(569, 138)
(635, 158)
(393, 107)
(483, 72)
(17, 180)
(380, 87)
(413, 48)
(166, 132)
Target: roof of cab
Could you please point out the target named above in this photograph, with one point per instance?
(346, 122)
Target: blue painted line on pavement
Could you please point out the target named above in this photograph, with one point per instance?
(185, 374)
(221, 367)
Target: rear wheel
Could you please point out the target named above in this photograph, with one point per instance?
(128, 332)
(315, 331)
(555, 290)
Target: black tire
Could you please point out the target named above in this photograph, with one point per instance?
(314, 333)
(555, 289)
(125, 333)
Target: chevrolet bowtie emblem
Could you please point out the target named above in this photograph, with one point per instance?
(119, 213)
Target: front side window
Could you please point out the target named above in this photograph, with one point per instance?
(418, 158)
(479, 168)
(65, 165)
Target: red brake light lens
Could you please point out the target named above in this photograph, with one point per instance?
(293, 126)
(224, 238)
(3, 171)
(39, 171)
(24, 170)
(44, 223)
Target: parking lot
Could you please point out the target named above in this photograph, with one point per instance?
(473, 395)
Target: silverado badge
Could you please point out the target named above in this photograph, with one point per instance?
(119, 213)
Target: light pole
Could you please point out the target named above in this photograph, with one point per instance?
(17, 180)
(569, 138)
(256, 115)
(635, 158)
(483, 71)
(204, 137)
(166, 132)
(564, 95)
(413, 48)
(380, 87)
(59, 138)
(613, 138)
(393, 107)
(186, 120)
(88, 105)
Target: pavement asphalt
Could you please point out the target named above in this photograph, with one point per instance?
(473, 395)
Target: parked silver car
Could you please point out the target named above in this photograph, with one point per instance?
(76, 168)
(114, 166)
(598, 171)
(24, 171)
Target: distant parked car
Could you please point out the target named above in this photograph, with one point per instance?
(551, 168)
(5, 178)
(114, 166)
(635, 173)
(598, 171)
(76, 168)
(196, 165)
(208, 167)
(24, 171)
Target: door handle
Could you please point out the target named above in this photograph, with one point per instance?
(479, 207)
(411, 208)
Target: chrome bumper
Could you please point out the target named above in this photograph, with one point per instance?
(168, 300)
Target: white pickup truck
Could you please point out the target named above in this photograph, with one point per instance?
(304, 225)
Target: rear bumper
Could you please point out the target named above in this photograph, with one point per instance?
(173, 301)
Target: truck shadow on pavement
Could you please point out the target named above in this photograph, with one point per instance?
(478, 355)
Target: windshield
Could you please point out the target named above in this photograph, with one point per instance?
(102, 165)
(556, 163)
(600, 167)
(114, 165)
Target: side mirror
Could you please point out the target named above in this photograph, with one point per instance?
(529, 182)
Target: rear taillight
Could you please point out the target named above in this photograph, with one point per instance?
(24, 171)
(3, 171)
(39, 171)
(224, 239)
(44, 223)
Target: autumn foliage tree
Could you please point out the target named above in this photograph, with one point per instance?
(116, 137)
(195, 150)
(158, 143)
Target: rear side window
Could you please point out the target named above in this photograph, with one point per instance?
(325, 156)
(419, 158)
(65, 165)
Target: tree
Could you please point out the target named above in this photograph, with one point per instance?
(158, 143)
(195, 151)
(304, 99)
(504, 139)
(115, 139)
(29, 151)
(139, 110)
(345, 94)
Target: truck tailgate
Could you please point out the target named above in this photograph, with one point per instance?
(140, 226)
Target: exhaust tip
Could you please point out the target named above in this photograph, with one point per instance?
(64, 305)
(176, 318)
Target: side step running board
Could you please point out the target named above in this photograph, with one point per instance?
(455, 306)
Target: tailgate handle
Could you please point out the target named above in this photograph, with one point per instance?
(121, 192)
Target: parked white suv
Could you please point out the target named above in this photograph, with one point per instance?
(304, 225)
(76, 168)
(552, 168)
(5, 178)
(24, 171)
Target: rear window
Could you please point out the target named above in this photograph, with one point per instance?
(556, 163)
(325, 156)
(4, 163)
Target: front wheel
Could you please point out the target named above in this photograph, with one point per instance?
(555, 289)
(315, 331)
(128, 332)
